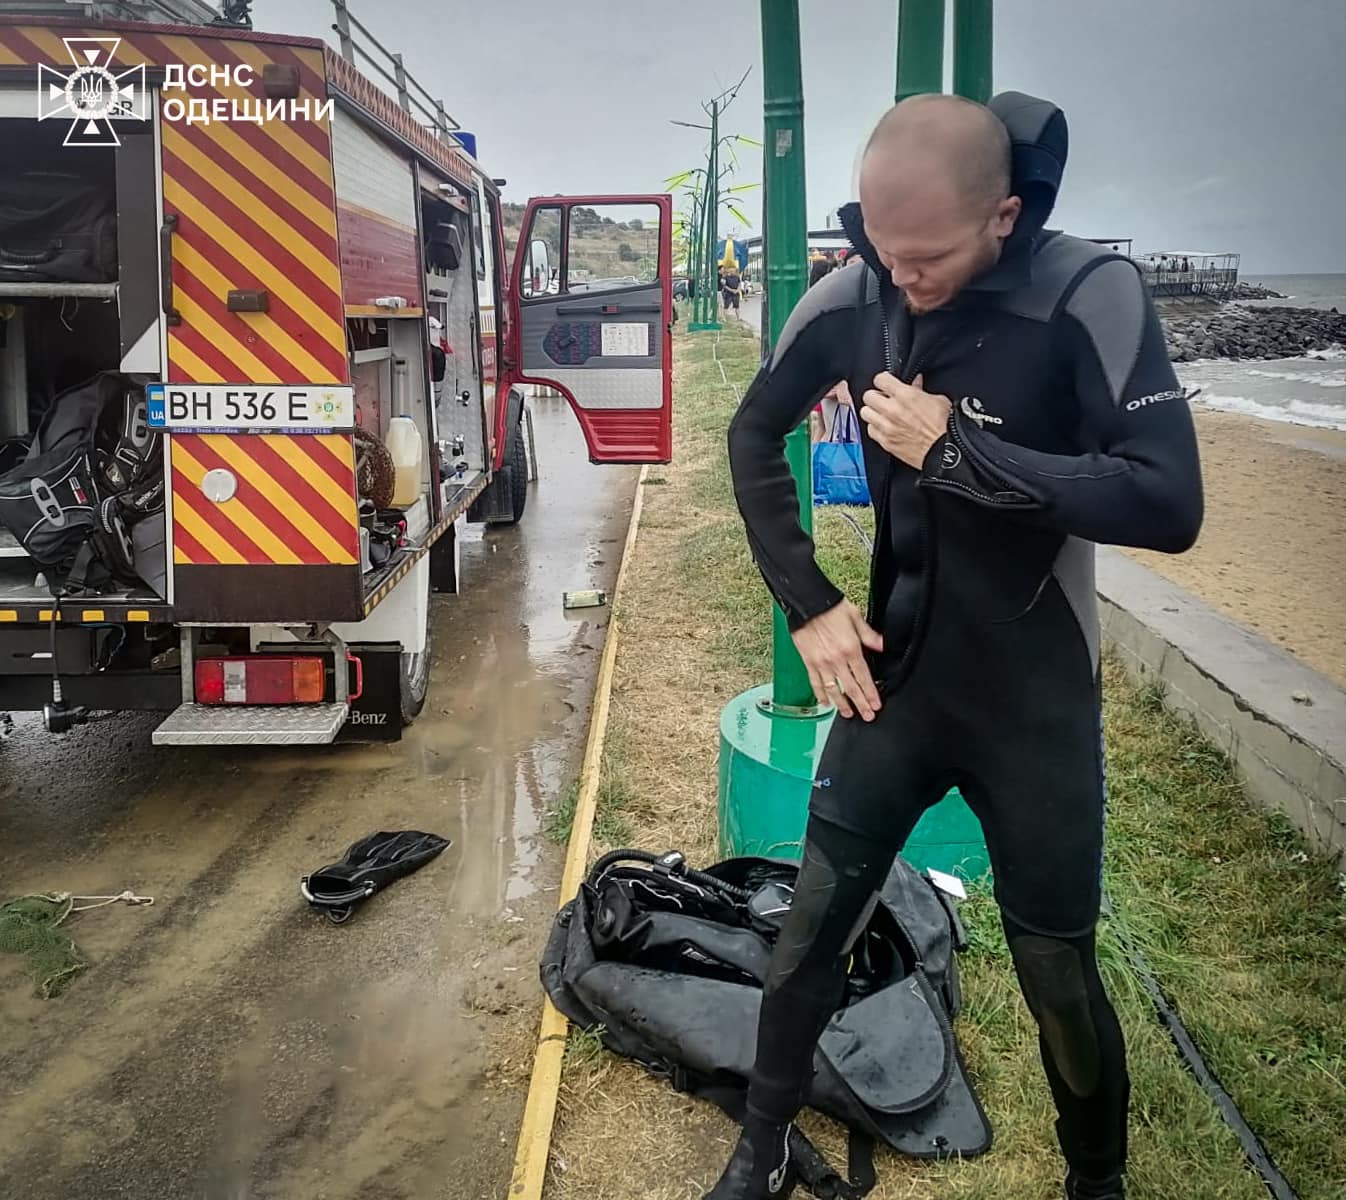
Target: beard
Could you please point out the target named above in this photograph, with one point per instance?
(917, 309)
(984, 261)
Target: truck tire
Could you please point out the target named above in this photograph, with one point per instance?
(517, 467)
(415, 679)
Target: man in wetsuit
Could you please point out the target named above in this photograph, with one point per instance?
(1018, 406)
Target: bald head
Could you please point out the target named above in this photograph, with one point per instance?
(935, 195)
(943, 143)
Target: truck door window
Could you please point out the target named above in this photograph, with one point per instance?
(542, 250)
(612, 246)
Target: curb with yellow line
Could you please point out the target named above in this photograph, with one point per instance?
(539, 1114)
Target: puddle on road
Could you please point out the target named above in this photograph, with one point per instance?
(228, 1041)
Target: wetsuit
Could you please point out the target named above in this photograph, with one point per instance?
(1068, 428)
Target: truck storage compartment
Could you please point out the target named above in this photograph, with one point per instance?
(79, 339)
(58, 217)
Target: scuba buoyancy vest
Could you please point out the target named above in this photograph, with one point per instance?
(667, 964)
(93, 470)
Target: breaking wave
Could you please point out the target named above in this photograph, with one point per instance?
(1295, 412)
(1326, 381)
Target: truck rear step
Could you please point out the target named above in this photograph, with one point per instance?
(263, 725)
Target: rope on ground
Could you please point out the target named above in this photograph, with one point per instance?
(715, 354)
(32, 926)
(859, 529)
(126, 897)
(539, 1114)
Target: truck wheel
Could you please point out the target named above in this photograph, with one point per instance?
(415, 683)
(517, 467)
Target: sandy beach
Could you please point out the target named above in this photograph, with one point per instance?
(1272, 552)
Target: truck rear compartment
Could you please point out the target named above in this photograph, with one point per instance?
(78, 281)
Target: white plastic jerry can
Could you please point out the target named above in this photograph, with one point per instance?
(407, 450)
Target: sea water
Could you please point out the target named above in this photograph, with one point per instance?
(1303, 391)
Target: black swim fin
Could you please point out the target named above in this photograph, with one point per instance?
(369, 865)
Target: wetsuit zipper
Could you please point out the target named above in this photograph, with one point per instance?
(923, 501)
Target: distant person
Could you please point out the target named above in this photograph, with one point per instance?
(819, 270)
(1017, 405)
(731, 287)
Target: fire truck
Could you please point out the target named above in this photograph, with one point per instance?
(296, 278)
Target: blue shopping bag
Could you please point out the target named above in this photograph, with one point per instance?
(839, 463)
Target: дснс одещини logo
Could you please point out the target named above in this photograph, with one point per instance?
(91, 94)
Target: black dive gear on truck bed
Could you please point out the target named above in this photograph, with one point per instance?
(93, 470)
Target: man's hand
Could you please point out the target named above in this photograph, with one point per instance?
(832, 647)
(905, 419)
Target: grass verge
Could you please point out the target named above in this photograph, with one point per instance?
(1245, 928)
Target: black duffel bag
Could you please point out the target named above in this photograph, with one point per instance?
(94, 467)
(56, 228)
(666, 964)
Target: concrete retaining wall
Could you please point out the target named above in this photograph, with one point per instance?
(1283, 724)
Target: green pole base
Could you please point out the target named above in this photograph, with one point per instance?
(698, 326)
(768, 761)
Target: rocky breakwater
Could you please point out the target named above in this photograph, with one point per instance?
(1233, 331)
(1255, 291)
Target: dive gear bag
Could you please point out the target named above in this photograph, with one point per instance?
(667, 964)
(92, 471)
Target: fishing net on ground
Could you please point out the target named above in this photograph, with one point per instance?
(30, 926)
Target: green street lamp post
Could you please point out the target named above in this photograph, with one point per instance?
(706, 310)
(972, 39)
(772, 736)
(920, 47)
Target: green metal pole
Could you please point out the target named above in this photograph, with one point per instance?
(772, 736)
(706, 311)
(693, 249)
(972, 49)
(713, 220)
(786, 235)
(701, 256)
(920, 47)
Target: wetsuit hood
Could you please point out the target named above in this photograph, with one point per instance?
(1039, 143)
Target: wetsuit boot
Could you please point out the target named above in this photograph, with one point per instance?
(1079, 1188)
(760, 1168)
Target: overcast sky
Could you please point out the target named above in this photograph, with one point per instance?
(1195, 124)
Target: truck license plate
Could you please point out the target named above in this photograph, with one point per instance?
(235, 407)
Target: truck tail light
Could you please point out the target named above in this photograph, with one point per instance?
(261, 679)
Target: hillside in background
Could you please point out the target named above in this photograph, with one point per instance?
(601, 246)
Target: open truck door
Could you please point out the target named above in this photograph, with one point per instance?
(591, 301)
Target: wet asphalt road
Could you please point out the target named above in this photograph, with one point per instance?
(228, 1042)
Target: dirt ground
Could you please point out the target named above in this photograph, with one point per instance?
(227, 1041)
(1272, 551)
